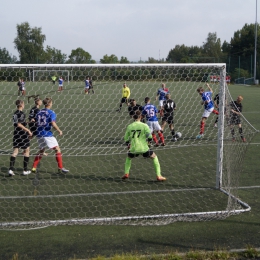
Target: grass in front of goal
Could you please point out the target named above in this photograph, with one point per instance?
(86, 241)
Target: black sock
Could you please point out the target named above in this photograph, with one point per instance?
(12, 162)
(25, 163)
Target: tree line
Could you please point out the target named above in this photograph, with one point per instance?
(238, 54)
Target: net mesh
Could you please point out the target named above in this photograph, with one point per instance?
(202, 175)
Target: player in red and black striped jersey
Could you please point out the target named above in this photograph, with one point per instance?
(168, 114)
(236, 108)
(21, 138)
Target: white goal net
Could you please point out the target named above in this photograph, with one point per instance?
(202, 175)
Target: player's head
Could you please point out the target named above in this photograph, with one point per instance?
(47, 102)
(147, 100)
(132, 102)
(137, 115)
(19, 103)
(168, 96)
(163, 85)
(37, 101)
(239, 99)
(124, 85)
(200, 90)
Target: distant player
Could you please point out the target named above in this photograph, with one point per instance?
(125, 96)
(236, 108)
(168, 115)
(21, 138)
(137, 136)
(91, 87)
(46, 119)
(149, 112)
(161, 94)
(60, 84)
(53, 79)
(33, 116)
(87, 85)
(23, 87)
(209, 108)
(19, 85)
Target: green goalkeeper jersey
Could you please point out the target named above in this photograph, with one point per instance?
(137, 134)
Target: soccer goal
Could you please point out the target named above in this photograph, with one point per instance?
(45, 74)
(202, 174)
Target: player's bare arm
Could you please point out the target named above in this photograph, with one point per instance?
(210, 89)
(25, 129)
(55, 126)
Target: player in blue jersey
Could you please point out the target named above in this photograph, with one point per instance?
(149, 112)
(46, 119)
(208, 103)
(60, 84)
(161, 94)
(87, 85)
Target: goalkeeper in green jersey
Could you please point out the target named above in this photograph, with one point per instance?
(137, 137)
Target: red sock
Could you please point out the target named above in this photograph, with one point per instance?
(155, 138)
(215, 111)
(161, 137)
(59, 160)
(202, 126)
(36, 160)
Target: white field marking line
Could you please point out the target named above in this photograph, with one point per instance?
(106, 193)
(119, 193)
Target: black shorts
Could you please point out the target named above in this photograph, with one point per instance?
(20, 88)
(21, 141)
(168, 118)
(124, 100)
(234, 120)
(145, 155)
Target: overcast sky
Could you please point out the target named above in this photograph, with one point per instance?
(136, 29)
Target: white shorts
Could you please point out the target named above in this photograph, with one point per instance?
(50, 142)
(154, 126)
(60, 85)
(161, 103)
(86, 87)
(207, 112)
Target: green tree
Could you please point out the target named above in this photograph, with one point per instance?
(212, 47)
(29, 43)
(54, 56)
(184, 54)
(6, 57)
(80, 56)
(124, 60)
(112, 59)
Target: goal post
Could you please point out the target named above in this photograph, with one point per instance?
(202, 174)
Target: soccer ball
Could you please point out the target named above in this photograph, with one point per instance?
(178, 135)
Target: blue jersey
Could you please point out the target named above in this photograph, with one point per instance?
(149, 111)
(207, 96)
(87, 83)
(60, 81)
(162, 93)
(44, 122)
